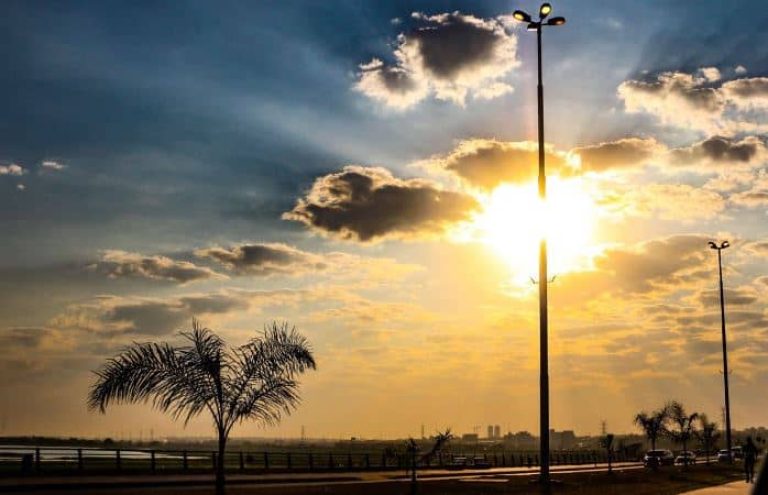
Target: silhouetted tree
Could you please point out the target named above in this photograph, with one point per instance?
(684, 424)
(413, 452)
(707, 435)
(256, 381)
(653, 424)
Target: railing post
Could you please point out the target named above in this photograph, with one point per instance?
(384, 460)
(367, 461)
(242, 461)
(330, 461)
(288, 461)
(118, 460)
(79, 459)
(349, 461)
(184, 461)
(266, 461)
(310, 461)
(213, 459)
(152, 463)
(37, 459)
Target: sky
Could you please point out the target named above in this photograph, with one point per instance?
(366, 171)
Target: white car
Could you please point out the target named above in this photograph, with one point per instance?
(686, 457)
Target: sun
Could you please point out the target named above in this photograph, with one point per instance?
(514, 219)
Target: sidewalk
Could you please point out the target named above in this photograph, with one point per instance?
(735, 488)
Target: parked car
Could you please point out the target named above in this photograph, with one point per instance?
(686, 457)
(480, 463)
(737, 452)
(659, 457)
(458, 462)
(724, 456)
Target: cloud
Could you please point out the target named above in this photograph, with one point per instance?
(681, 202)
(13, 170)
(486, 163)
(700, 101)
(122, 264)
(449, 55)
(756, 196)
(748, 93)
(621, 154)
(644, 269)
(51, 165)
(675, 97)
(265, 259)
(113, 315)
(721, 150)
(369, 203)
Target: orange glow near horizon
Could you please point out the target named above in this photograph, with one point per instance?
(514, 219)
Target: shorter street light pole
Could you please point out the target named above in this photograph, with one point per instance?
(719, 249)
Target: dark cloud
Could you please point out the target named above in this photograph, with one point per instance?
(623, 153)
(733, 297)
(450, 55)
(159, 317)
(120, 264)
(721, 149)
(366, 203)
(265, 259)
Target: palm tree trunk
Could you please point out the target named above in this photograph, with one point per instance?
(220, 480)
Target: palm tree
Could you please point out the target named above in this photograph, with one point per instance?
(685, 424)
(653, 424)
(256, 381)
(708, 434)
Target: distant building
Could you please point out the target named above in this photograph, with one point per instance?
(470, 437)
(490, 431)
(562, 440)
(497, 431)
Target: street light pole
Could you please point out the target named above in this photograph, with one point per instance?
(519, 15)
(719, 249)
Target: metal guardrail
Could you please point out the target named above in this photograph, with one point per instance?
(60, 460)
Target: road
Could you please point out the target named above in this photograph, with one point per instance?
(272, 483)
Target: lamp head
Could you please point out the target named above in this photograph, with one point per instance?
(521, 16)
(545, 10)
(556, 21)
(712, 245)
(725, 244)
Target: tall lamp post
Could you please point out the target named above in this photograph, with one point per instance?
(537, 26)
(719, 248)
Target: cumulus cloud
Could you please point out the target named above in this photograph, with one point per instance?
(652, 267)
(674, 97)
(122, 264)
(486, 163)
(719, 150)
(369, 203)
(748, 93)
(265, 259)
(12, 169)
(754, 197)
(665, 201)
(620, 154)
(700, 101)
(450, 55)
